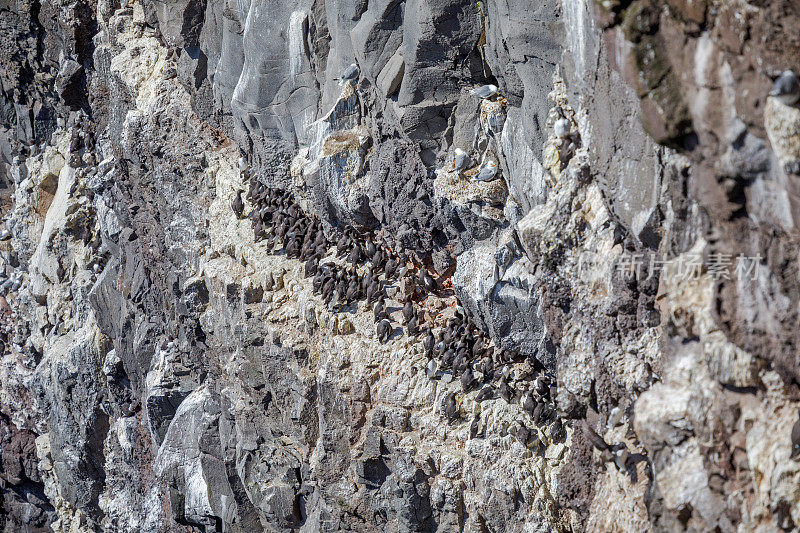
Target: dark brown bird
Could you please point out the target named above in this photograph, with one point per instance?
(486, 393)
(426, 281)
(365, 280)
(311, 267)
(488, 369)
(542, 385)
(380, 311)
(447, 335)
(428, 343)
(523, 434)
(341, 245)
(317, 282)
(292, 249)
(448, 357)
(474, 427)
(370, 248)
(539, 413)
(327, 288)
(238, 205)
(591, 435)
(377, 260)
(506, 392)
(355, 255)
(467, 380)
(259, 233)
(478, 348)
(413, 329)
(352, 291)
(408, 310)
(529, 404)
(450, 407)
(372, 292)
(459, 363)
(557, 433)
(390, 268)
(384, 330)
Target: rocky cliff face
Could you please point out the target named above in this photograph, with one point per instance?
(243, 290)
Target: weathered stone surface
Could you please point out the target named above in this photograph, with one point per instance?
(168, 365)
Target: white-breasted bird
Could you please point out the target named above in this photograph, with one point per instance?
(614, 417)
(484, 91)
(786, 88)
(430, 369)
(621, 456)
(460, 160)
(488, 171)
(562, 126)
(350, 73)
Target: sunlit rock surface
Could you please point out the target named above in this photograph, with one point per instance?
(613, 317)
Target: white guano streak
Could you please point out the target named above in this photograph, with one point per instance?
(575, 17)
(296, 42)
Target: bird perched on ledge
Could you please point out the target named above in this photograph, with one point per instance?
(474, 427)
(350, 73)
(488, 171)
(484, 91)
(562, 126)
(786, 88)
(238, 205)
(428, 343)
(408, 310)
(427, 281)
(467, 380)
(384, 330)
(450, 407)
(460, 160)
(598, 442)
(486, 393)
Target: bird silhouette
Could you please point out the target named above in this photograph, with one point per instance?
(786, 88)
(237, 204)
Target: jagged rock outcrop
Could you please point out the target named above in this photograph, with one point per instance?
(242, 291)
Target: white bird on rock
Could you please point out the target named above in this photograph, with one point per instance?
(562, 126)
(460, 160)
(431, 369)
(488, 171)
(484, 91)
(786, 88)
(350, 73)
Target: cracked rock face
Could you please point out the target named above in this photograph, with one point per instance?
(255, 275)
